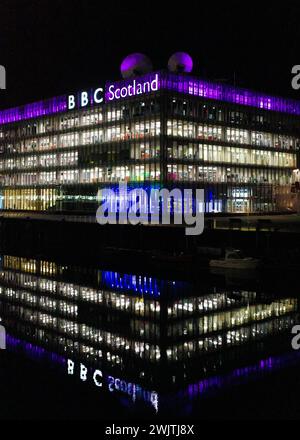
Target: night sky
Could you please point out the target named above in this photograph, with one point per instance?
(54, 47)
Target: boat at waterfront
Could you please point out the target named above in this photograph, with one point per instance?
(234, 259)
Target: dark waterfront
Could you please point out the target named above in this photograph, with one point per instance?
(90, 341)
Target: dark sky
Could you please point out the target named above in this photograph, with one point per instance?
(53, 47)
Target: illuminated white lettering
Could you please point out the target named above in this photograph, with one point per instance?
(124, 92)
(111, 93)
(133, 89)
(84, 99)
(146, 87)
(71, 102)
(154, 84)
(130, 89)
(139, 89)
(98, 96)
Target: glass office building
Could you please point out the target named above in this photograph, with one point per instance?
(159, 130)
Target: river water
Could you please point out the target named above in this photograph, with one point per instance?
(91, 341)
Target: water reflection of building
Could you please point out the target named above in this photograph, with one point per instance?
(158, 333)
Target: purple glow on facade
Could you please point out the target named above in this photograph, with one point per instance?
(189, 85)
(34, 110)
(220, 92)
(180, 83)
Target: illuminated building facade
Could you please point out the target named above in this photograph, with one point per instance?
(162, 129)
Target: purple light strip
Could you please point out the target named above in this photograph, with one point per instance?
(34, 110)
(168, 81)
(206, 89)
(220, 92)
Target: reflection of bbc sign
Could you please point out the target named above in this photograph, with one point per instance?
(2, 338)
(84, 99)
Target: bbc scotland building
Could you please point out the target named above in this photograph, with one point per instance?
(161, 129)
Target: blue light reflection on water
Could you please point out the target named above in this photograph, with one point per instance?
(141, 285)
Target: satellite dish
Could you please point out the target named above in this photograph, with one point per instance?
(135, 64)
(180, 62)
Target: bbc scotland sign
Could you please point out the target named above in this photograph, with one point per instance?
(114, 92)
(132, 88)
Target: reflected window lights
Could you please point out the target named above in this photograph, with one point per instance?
(140, 285)
(69, 290)
(110, 323)
(47, 285)
(91, 295)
